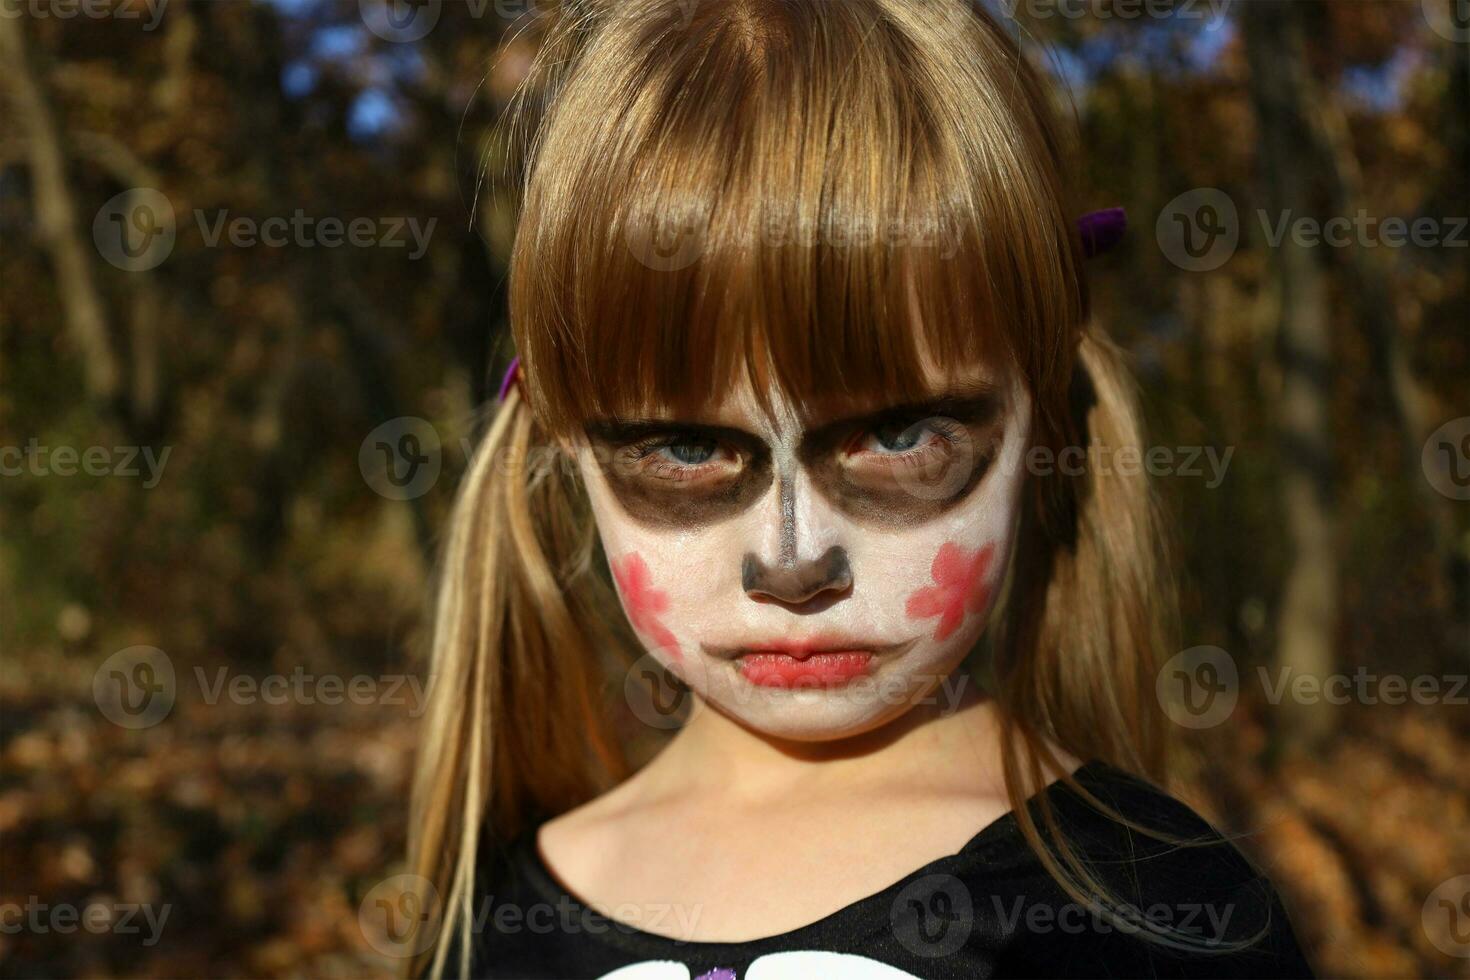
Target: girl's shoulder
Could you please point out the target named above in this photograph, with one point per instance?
(1182, 901)
(1182, 898)
(1103, 809)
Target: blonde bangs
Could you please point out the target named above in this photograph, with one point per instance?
(790, 191)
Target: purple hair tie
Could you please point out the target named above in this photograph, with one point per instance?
(1101, 230)
(511, 373)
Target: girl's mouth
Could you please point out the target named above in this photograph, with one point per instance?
(828, 660)
(829, 668)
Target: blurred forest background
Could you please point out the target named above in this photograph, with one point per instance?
(266, 544)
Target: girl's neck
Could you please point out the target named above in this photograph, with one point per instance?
(952, 733)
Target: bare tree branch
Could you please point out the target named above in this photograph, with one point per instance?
(86, 317)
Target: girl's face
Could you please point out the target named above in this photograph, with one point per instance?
(813, 577)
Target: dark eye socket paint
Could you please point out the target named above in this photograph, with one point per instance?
(670, 493)
(902, 487)
(908, 487)
(968, 410)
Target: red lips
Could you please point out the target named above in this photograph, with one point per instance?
(827, 668)
(821, 643)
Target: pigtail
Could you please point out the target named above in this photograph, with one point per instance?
(1090, 617)
(1095, 601)
(515, 687)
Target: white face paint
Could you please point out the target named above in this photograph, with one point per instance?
(813, 579)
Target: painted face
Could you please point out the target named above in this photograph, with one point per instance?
(812, 577)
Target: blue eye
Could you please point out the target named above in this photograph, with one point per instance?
(901, 437)
(690, 452)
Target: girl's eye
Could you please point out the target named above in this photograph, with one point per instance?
(897, 456)
(896, 438)
(687, 458)
(690, 452)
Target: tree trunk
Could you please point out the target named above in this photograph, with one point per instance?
(1309, 607)
(1371, 284)
(56, 218)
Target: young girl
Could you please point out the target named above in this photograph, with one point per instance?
(804, 354)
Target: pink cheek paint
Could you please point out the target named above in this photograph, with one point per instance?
(962, 585)
(828, 669)
(643, 603)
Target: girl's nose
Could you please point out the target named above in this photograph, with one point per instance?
(801, 569)
(797, 582)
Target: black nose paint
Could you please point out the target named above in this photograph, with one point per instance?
(798, 580)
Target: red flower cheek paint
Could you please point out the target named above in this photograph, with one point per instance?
(962, 585)
(643, 603)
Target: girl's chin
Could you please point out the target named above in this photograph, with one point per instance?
(815, 720)
(824, 702)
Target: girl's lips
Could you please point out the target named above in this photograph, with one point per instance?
(827, 660)
(828, 668)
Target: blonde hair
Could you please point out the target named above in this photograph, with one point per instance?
(803, 190)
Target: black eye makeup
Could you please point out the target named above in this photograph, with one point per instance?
(680, 458)
(907, 464)
(671, 474)
(900, 465)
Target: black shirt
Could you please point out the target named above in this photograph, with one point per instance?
(989, 910)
